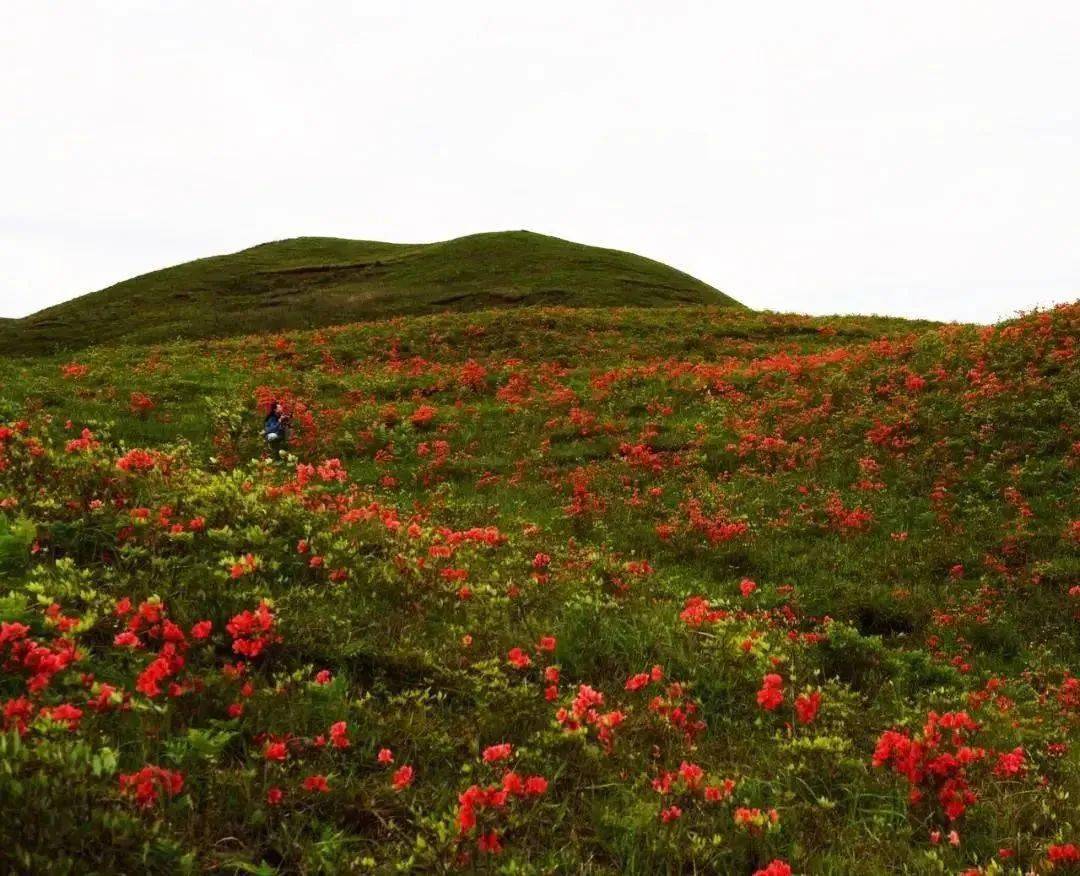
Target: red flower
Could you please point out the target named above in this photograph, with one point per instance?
(1063, 854)
(126, 639)
(1011, 763)
(385, 756)
(253, 631)
(148, 784)
(274, 796)
(691, 773)
(807, 706)
(513, 784)
(275, 751)
(716, 793)
(495, 753)
(339, 734)
(536, 785)
(519, 659)
(670, 814)
(754, 820)
(423, 416)
(317, 784)
(247, 564)
(138, 460)
(927, 764)
(466, 813)
(403, 777)
(74, 370)
(65, 713)
(771, 694)
(747, 587)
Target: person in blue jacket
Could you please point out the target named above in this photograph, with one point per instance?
(276, 427)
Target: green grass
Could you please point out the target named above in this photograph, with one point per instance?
(598, 438)
(310, 282)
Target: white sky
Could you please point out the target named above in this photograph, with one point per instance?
(912, 158)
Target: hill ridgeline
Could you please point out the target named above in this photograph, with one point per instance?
(309, 282)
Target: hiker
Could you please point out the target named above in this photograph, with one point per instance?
(276, 427)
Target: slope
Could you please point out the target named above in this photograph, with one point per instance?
(309, 282)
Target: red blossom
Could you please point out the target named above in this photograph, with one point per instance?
(807, 706)
(276, 751)
(403, 777)
(1010, 763)
(339, 734)
(771, 694)
(148, 784)
(518, 658)
(1066, 853)
(672, 813)
(494, 753)
(317, 784)
(253, 632)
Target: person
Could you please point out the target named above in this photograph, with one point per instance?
(276, 426)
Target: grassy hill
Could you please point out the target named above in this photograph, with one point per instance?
(309, 282)
(546, 590)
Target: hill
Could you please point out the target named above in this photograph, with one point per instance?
(309, 282)
(546, 590)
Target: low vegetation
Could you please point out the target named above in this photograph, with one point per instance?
(546, 590)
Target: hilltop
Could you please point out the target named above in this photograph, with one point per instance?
(308, 282)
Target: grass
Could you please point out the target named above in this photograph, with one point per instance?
(317, 281)
(903, 495)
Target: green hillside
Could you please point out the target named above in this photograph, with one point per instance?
(546, 590)
(316, 281)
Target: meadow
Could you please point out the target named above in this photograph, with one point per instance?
(589, 590)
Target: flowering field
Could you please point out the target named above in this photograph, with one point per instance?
(685, 590)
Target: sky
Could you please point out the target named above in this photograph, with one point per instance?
(911, 158)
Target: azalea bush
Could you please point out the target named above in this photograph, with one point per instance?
(547, 591)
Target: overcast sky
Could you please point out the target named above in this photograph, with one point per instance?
(910, 158)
